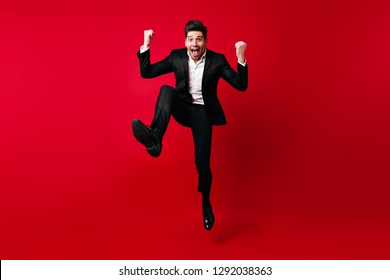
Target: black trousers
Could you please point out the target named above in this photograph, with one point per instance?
(189, 115)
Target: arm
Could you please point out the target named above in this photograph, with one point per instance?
(147, 69)
(239, 79)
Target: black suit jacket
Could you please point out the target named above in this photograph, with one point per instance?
(216, 67)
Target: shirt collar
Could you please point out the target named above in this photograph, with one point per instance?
(201, 59)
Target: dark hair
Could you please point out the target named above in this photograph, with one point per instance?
(195, 25)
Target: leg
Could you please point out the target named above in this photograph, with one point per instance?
(202, 134)
(169, 103)
(163, 110)
(151, 137)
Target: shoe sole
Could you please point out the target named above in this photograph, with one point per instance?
(144, 136)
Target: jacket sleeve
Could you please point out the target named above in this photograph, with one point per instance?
(239, 79)
(149, 70)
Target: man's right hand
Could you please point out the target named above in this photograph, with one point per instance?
(148, 37)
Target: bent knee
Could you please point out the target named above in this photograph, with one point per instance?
(166, 88)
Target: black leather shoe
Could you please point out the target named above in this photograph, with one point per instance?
(208, 216)
(147, 137)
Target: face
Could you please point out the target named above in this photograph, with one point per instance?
(196, 44)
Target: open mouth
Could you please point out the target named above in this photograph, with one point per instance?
(195, 51)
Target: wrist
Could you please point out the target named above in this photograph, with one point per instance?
(241, 59)
(143, 49)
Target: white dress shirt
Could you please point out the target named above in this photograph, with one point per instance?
(195, 76)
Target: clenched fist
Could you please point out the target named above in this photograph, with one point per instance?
(240, 51)
(148, 37)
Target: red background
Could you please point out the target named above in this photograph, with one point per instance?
(301, 171)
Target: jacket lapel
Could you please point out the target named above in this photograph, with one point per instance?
(209, 57)
(184, 66)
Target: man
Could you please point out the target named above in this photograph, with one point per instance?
(193, 103)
